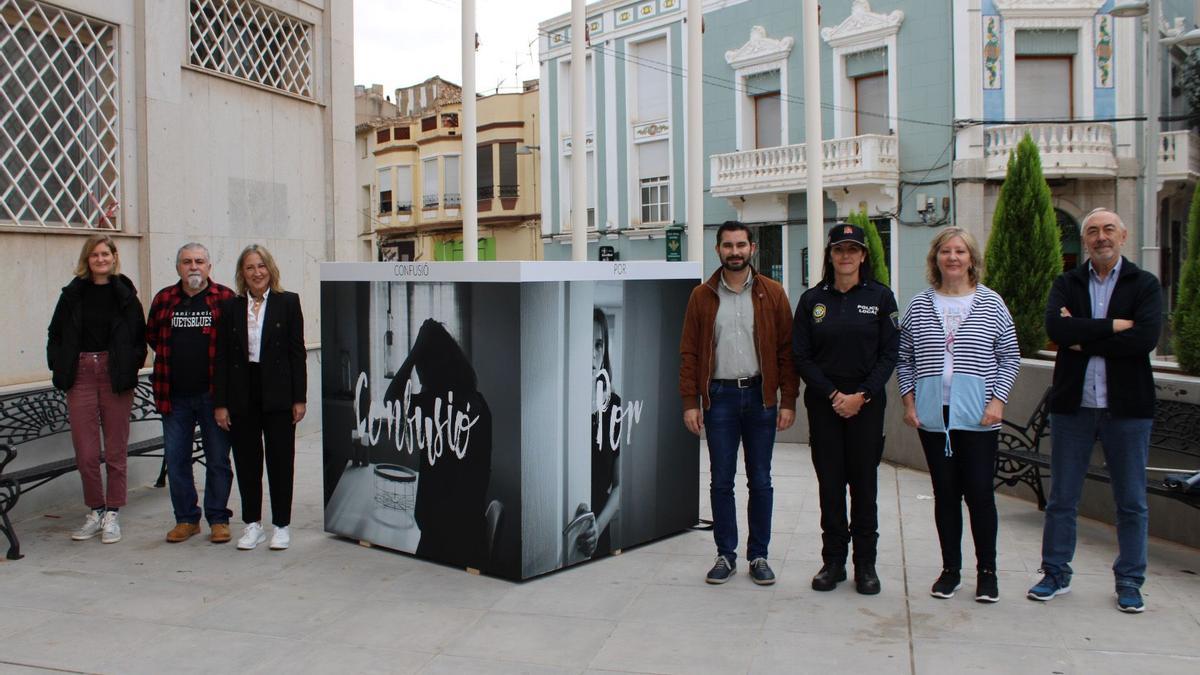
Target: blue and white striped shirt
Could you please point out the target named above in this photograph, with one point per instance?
(984, 347)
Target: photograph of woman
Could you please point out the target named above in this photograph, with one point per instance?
(95, 347)
(845, 340)
(260, 384)
(958, 362)
(606, 446)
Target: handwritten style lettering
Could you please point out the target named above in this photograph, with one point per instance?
(631, 411)
(447, 427)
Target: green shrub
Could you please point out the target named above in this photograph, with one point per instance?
(1187, 310)
(875, 253)
(1024, 253)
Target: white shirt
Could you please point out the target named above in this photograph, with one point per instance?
(953, 309)
(254, 325)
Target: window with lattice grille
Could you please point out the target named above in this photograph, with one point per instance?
(252, 42)
(59, 128)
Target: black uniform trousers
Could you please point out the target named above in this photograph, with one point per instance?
(846, 453)
(248, 430)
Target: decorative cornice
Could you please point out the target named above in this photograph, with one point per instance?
(1022, 9)
(862, 25)
(759, 49)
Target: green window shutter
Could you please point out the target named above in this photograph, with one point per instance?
(871, 61)
(1047, 42)
(487, 248)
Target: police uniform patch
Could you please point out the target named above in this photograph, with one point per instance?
(895, 316)
(819, 312)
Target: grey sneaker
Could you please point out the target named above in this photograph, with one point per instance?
(110, 528)
(91, 527)
(760, 572)
(721, 571)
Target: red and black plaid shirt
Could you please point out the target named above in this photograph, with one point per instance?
(158, 336)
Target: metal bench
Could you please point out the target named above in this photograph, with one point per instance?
(36, 415)
(1174, 437)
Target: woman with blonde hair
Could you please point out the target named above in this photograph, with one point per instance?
(95, 346)
(259, 390)
(958, 362)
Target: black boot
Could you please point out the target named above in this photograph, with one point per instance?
(829, 576)
(866, 581)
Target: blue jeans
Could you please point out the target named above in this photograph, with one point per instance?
(1126, 442)
(178, 427)
(737, 415)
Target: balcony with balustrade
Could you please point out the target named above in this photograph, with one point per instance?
(1068, 149)
(1179, 156)
(870, 160)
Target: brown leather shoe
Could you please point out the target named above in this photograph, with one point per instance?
(220, 533)
(182, 532)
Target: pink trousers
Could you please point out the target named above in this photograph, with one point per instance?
(95, 412)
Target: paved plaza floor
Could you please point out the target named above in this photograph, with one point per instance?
(330, 605)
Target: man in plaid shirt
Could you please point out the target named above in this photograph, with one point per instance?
(182, 331)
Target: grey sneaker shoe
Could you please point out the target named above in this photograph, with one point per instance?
(721, 571)
(91, 527)
(110, 528)
(760, 572)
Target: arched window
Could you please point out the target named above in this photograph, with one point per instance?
(1072, 247)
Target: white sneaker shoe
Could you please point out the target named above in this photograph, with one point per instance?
(91, 526)
(110, 527)
(252, 536)
(281, 538)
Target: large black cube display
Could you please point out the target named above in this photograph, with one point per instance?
(514, 418)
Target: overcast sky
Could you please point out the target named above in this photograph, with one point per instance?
(402, 42)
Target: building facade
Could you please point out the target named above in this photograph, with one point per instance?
(409, 175)
(227, 122)
(635, 129)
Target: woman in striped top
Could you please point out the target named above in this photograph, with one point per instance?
(958, 362)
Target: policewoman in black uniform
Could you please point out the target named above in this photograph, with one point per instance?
(846, 338)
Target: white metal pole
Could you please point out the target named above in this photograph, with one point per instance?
(1150, 249)
(578, 132)
(812, 141)
(468, 179)
(695, 132)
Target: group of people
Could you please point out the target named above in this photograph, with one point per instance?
(956, 359)
(229, 362)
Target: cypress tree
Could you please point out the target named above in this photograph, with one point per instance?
(1024, 253)
(875, 254)
(1187, 312)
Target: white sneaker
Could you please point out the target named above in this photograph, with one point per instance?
(252, 536)
(280, 538)
(111, 528)
(91, 527)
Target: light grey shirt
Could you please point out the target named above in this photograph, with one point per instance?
(1095, 378)
(734, 353)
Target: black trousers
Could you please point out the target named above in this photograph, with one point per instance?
(964, 476)
(248, 430)
(845, 454)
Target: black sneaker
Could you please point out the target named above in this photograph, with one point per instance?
(721, 570)
(829, 576)
(987, 589)
(866, 581)
(760, 572)
(946, 584)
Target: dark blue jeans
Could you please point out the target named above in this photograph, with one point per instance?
(1126, 442)
(178, 427)
(738, 416)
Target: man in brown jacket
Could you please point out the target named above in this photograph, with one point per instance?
(737, 381)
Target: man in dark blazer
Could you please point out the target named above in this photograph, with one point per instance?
(1105, 316)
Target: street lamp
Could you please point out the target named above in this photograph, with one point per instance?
(1130, 8)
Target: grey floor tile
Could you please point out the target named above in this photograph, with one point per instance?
(320, 657)
(738, 602)
(786, 653)
(1106, 662)
(444, 664)
(564, 642)
(690, 650)
(271, 610)
(398, 625)
(937, 657)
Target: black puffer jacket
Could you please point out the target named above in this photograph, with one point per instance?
(127, 343)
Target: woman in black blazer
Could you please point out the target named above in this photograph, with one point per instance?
(259, 387)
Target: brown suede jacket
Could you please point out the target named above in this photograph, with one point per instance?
(772, 338)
